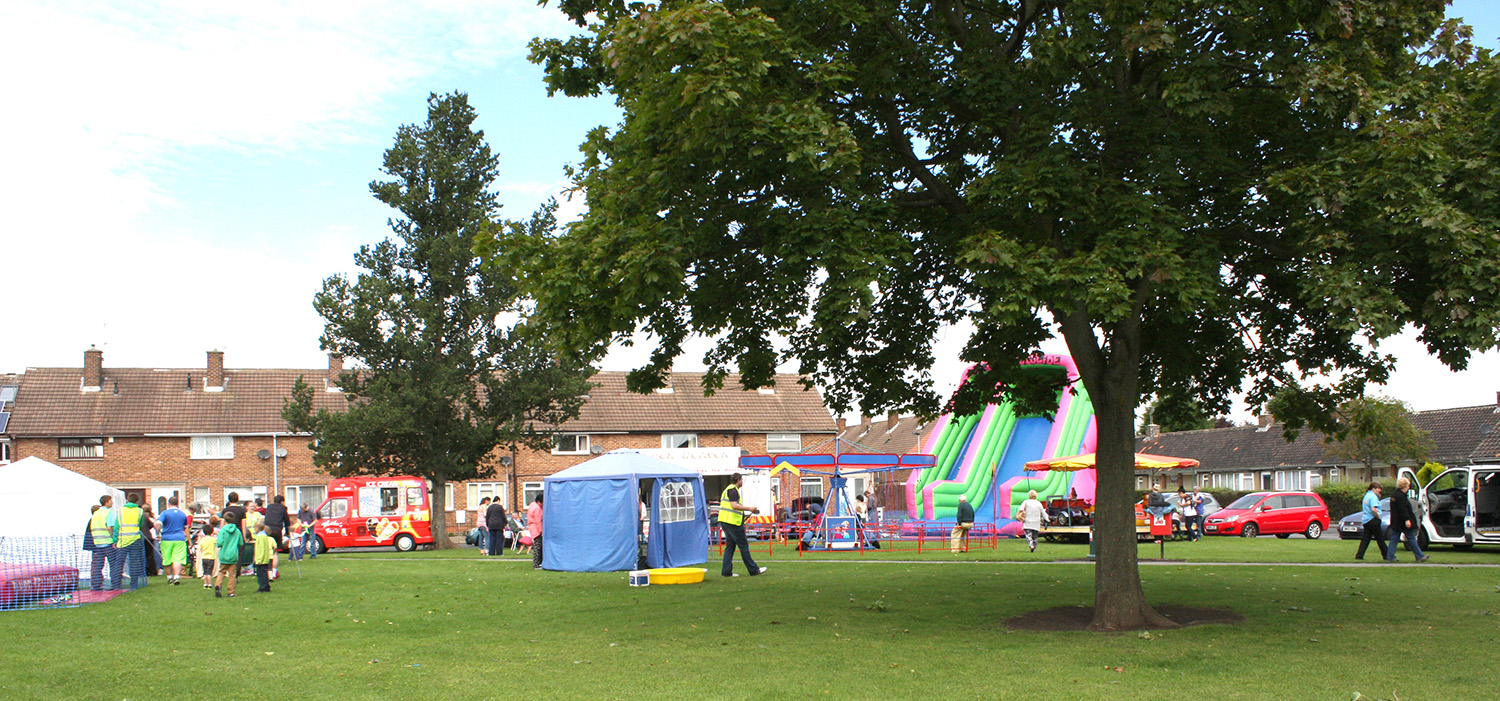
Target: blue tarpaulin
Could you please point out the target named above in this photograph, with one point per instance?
(591, 515)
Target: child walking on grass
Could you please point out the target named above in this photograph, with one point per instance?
(228, 542)
(208, 552)
(265, 558)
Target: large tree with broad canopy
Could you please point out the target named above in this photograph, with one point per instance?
(1202, 197)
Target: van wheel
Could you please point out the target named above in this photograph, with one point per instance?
(1250, 531)
(1314, 530)
(315, 545)
(405, 543)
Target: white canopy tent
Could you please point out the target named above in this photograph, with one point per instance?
(41, 505)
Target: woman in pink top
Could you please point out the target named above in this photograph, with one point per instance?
(534, 527)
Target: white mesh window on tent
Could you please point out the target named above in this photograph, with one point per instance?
(676, 502)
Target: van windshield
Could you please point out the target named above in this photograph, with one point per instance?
(1245, 502)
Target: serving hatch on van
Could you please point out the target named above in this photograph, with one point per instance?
(371, 511)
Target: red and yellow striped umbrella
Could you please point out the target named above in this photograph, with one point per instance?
(1143, 461)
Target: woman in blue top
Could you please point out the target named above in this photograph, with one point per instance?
(1369, 514)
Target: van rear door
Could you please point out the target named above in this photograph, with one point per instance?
(1485, 492)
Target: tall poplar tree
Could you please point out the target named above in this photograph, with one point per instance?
(443, 383)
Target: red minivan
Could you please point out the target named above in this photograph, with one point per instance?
(1278, 513)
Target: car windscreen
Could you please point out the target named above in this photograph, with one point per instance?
(1246, 501)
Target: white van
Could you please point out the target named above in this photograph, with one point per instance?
(1461, 506)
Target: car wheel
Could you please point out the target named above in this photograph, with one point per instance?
(315, 545)
(405, 543)
(1283, 536)
(1314, 530)
(1250, 531)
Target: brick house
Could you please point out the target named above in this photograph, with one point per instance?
(782, 419)
(201, 433)
(154, 433)
(1258, 457)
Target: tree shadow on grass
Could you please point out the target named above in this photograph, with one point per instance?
(1078, 617)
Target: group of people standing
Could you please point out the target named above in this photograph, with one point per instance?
(492, 521)
(243, 536)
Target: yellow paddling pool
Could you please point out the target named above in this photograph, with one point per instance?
(677, 575)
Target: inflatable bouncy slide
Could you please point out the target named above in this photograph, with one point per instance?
(983, 456)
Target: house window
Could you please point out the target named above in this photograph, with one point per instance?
(812, 487)
(679, 440)
(530, 491)
(309, 495)
(783, 442)
(212, 447)
(676, 502)
(80, 448)
(479, 491)
(448, 496)
(247, 493)
(4, 452)
(202, 500)
(570, 444)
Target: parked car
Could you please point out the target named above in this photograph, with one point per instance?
(1278, 513)
(1351, 529)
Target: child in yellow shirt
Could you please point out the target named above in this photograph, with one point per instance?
(265, 558)
(208, 552)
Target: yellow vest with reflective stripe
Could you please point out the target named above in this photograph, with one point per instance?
(99, 528)
(130, 524)
(728, 515)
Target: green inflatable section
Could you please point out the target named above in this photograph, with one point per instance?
(982, 472)
(1054, 484)
(950, 443)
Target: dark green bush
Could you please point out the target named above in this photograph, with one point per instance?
(1343, 498)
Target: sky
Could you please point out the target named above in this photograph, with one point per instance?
(180, 176)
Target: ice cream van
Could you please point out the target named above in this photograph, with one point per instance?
(367, 511)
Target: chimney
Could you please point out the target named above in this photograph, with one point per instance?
(892, 418)
(1153, 430)
(335, 368)
(843, 424)
(214, 380)
(93, 369)
(1265, 420)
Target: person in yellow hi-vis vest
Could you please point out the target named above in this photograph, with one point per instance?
(133, 545)
(732, 522)
(104, 531)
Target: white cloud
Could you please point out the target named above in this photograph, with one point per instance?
(106, 98)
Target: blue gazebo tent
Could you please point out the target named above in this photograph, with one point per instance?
(591, 515)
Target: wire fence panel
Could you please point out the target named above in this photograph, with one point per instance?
(38, 572)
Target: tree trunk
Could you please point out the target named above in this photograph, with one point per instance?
(1119, 602)
(439, 516)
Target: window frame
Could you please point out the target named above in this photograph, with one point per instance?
(476, 491)
(557, 440)
(784, 438)
(95, 443)
(5, 452)
(806, 482)
(530, 490)
(294, 495)
(668, 444)
(197, 447)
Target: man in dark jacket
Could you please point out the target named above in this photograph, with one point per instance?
(965, 522)
(1403, 522)
(276, 520)
(494, 521)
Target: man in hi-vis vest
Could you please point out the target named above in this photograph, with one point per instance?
(103, 530)
(732, 522)
(132, 544)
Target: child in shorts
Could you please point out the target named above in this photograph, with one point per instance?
(208, 552)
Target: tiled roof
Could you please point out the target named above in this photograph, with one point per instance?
(137, 401)
(903, 436)
(1458, 436)
(787, 409)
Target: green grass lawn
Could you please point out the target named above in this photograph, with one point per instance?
(452, 625)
